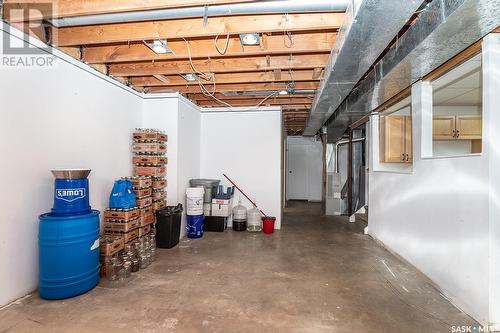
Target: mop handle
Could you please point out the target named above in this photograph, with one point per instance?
(239, 189)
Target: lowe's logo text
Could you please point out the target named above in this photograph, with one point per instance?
(70, 195)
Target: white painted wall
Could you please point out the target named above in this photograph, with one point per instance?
(246, 146)
(443, 216)
(491, 101)
(162, 113)
(180, 119)
(312, 151)
(64, 117)
(189, 159)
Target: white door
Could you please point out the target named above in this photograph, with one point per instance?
(296, 174)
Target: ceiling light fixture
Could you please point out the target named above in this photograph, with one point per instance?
(159, 46)
(190, 77)
(250, 39)
(282, 92)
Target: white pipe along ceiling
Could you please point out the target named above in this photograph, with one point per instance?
(261, 7)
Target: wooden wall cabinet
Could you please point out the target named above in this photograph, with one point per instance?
(396, 139)
(457, 127)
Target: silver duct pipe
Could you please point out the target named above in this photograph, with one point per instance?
(261, 7)
(369, 27)
(442, 30)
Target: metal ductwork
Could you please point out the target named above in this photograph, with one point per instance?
(442, 30)
(260, 7)
(369, 28)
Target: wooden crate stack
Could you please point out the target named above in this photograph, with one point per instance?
(150, 147)
(144, 195)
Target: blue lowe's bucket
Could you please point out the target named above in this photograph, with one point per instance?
(68, 254)
(195, 226)
(71, 192)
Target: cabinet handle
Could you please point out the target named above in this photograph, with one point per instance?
(454, 133)
(402, 157)
(458, 134)
(407, 158)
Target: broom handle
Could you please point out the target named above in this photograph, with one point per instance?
(239, 189)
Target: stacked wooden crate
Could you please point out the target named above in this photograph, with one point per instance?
(150, 147)
(144, 195)
(122, 222)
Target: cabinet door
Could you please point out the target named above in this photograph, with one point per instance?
(443, 127)
(469, 127)
(408, 139)
(394, 139)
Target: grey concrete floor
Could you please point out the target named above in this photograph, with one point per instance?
(318, 274)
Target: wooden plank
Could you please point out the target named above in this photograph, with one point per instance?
(317, 73)
(201, 97)
(219, 65)
(231, 87)
(162, 78)
(176, 80)
(277, 75)
(320, 42)
(254, 101)
(193, 27)
(66, 8)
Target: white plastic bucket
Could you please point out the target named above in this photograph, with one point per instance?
(194, 200)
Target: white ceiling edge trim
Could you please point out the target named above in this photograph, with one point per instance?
(242, 109)
(8, 29)
(87, 68)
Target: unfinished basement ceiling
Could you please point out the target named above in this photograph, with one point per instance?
(284, 68)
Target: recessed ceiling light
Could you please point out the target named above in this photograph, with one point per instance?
(159, 46)
(282, 92)
(249, 39)
(190, 77)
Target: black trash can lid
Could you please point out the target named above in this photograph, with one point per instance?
(170, 210)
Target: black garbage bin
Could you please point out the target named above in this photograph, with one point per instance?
(168, 226)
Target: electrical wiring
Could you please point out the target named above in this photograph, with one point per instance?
(211, 77)
(225, 46)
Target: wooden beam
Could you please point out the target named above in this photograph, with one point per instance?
(201, 97)
(66, 8)
(193, 27)
(232, 87)
(317, 73)
(162, 78)
(254, 102)
(176, 80)
(219, 65)
(317, 42)
(277, 75)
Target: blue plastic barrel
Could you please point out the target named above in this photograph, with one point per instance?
(71, 196)
(68, 254)
(195, 226)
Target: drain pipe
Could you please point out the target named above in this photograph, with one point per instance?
(337, 146)
(259, 7)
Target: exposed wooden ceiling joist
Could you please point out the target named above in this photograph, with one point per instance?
(66, 8)
(219, 65)
(318, 42)
(194, 27)
(254, 102)
(176, 80)
(201, 97)
(234, 87)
